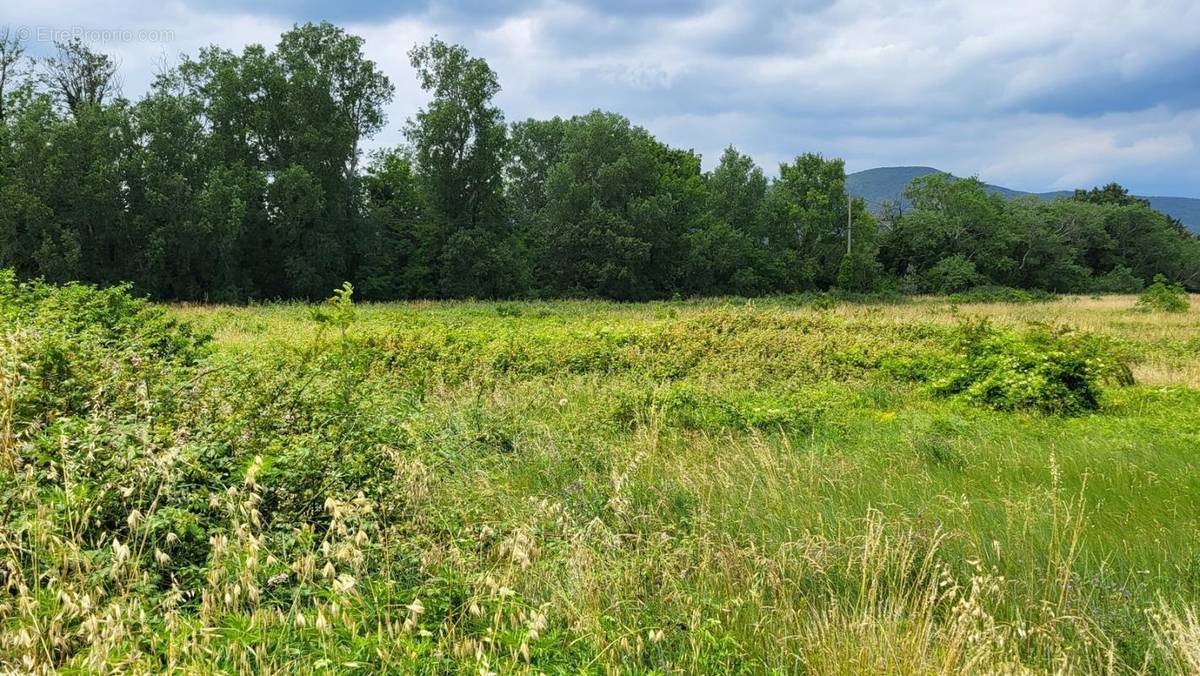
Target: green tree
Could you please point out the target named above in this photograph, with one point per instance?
(1049, 246)
(307, 248)
(951, 217)
(1112, 193)
(737, 188)
(726, 255)
(459, 141)
(586, 239)
(806, 219)
(394, 265)
(535, 147)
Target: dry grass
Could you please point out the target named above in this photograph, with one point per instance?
(1169, 343)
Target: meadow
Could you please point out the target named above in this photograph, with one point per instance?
(788, 485)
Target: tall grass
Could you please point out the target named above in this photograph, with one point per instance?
(578, 487)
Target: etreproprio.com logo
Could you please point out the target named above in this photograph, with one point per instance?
(60, 34)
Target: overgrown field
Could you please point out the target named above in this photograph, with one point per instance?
(793, 485)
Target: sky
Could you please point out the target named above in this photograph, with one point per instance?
(1031, 94)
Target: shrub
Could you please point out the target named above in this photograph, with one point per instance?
(76, 348)
(1050, 371)
(953, 273)
(1002, 294)
(859, 272)
(911, 284)
(824, 301)
(1163, 296)
(1118, 280)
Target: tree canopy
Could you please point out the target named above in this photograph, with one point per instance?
(243, 175)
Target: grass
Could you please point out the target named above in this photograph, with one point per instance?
(715, 486)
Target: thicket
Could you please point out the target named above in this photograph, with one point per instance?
(241, 175)
(1046, 370)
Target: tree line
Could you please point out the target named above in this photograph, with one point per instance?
(242, 175)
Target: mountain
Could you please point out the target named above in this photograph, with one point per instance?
(888, 183)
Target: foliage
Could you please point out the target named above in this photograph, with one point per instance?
(1163, 296)
(1045, 370)
(459, 140)
(951, 274)
(859, 273)
(1118, 280)
(240, 176)
(575, 486)
(1001, 294)
(338, 310)
(1113, 193)
(1096, 242)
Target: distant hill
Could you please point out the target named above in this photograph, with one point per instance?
(888, 183)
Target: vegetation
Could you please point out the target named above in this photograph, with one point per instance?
(843, 477)
(241, 176)
(578, 486)
(1163, 296)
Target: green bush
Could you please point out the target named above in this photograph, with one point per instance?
(859, 272)
(953, 273)
(77, 348)
(1118, 280)
(1002, 294)
(1163, 296)
(1050, 371)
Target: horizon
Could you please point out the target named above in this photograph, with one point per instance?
(990, 183)
(1032, 99)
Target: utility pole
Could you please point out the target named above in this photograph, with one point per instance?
(849, 222)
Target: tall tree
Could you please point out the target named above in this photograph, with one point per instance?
(79, 77)
(587, 242)
(737, 188)
(459, 140)
(727, 254)
(293, 119)
(806, 219)
(535, 147)
(11, 53)
(395, 235)
(956, 221)
(336, 96)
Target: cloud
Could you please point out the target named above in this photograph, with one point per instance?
(1030, 94)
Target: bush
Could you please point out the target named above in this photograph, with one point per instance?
(76, 348)
(859, 272)
(1118, 280)
(1050, 371)
(953, 273)
(1002, 294)
(824, 301)
(1163, 296)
